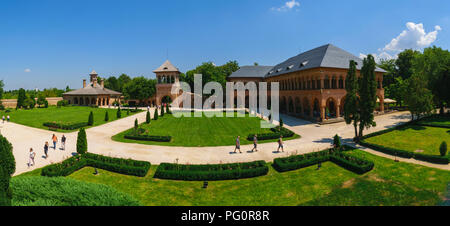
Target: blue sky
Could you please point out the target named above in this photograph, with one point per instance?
(57, 43)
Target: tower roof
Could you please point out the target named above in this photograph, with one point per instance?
(166, 67)
(93, 73)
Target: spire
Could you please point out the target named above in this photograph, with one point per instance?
(166, 67)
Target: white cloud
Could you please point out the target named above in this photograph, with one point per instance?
(27, 70)
(289, 5)
(414, 37)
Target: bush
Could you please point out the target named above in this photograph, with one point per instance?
(118, 165)
(136, 126)
(45, 104)
(133, 136)
(7, 168)
(277, 132)
(348, 162)
(119, 113)
(337, 141)
(61, 103)
(106, 116)
(65, 126)
(211, 172)
(155, 116)
(128, 111)
(388, 150)
(42, 191)
(167, 109)
(82, 142)
(147, 117)
(443, 148)
(91, 119)
(162, 111)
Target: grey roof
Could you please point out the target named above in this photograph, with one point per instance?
(91, 90)
(251, 72)
(328, 56)
(167, 67)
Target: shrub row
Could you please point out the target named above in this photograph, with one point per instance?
(348, 162)
(65, 126)
(275, 135)
(429, 124)
(388, 150)
(118, 165)
(133, 136)
(211, 172)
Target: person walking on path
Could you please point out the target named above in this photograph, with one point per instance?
(3, 118)
(55, 140)
(7, 118)
(280, 144)
(46, 149)
(63, 142)
(31, 160)
(238, 145)
(255, 143)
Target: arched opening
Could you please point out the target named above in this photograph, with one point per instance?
(316, 108)
(341, 83)
(333, 83)
(327, 82)
(86, 102)
(341, 106)
(104, 101)
(75, 100)
(93, 101)
(330, 110)
(298, 106)
(283, 105)
(306, 107)
(81, 101)
(291, 105)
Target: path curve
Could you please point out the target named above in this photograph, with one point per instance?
(314, 138)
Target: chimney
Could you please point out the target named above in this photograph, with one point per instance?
(102, 83)
(94, 82)
(84, 83)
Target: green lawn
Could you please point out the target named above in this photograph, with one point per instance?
(437, 120)
(201, 132)
(389, 183)
(37, 116)
(413, 138)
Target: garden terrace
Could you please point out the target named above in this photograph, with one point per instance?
(211, 172)
(200, 132)
(62, 116)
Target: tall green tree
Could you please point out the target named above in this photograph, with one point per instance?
(351, 105)
(140, 88)
(91, 119)
(21, 98)
(122, 81)
(434, 66)
(419, 98)
(155, 115)
(82, 142)
(7, 169)
(147, 117)
(367, 94)
(404, 63)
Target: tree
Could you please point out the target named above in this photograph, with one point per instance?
(82, 142)
(136, 126)
(397, 90)
(337, 141)
(45, 104)
(106, 116)
(155, 115)
(281, 123)
(119, 113)
(443, 148)
(167, 108)
(147, 117)
(351, 105)
(404, 63)
(434, 66)
(367, 94)
(67, 89)
(21, 98)
(7, 169)
(162, 111)
(122, 81)
(41, 99)
(140, 88)
(28, 103)
(419, 99)
(91, 119)
(113, 84)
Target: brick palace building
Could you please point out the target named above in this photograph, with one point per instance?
(312, 84)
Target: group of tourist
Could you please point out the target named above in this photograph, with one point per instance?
(46, 148)
(7, 118)
(255, 144)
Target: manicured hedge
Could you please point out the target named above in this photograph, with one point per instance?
(118, 165)
(275, 135)
(352, 163)
(338, 157)
(132, 136)
(432, 158)
(388, 150)
(211, 172)
(65, 126)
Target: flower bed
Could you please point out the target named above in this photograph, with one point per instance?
(133, 136)
(65, 126)
(211, 172)
(118, 165)
(338, 157)
(275, 135)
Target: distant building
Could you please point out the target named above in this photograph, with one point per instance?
(92, 94)
(312, 84)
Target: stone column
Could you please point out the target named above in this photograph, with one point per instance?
(322, 113)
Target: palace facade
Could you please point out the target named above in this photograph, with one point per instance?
(312, 84)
